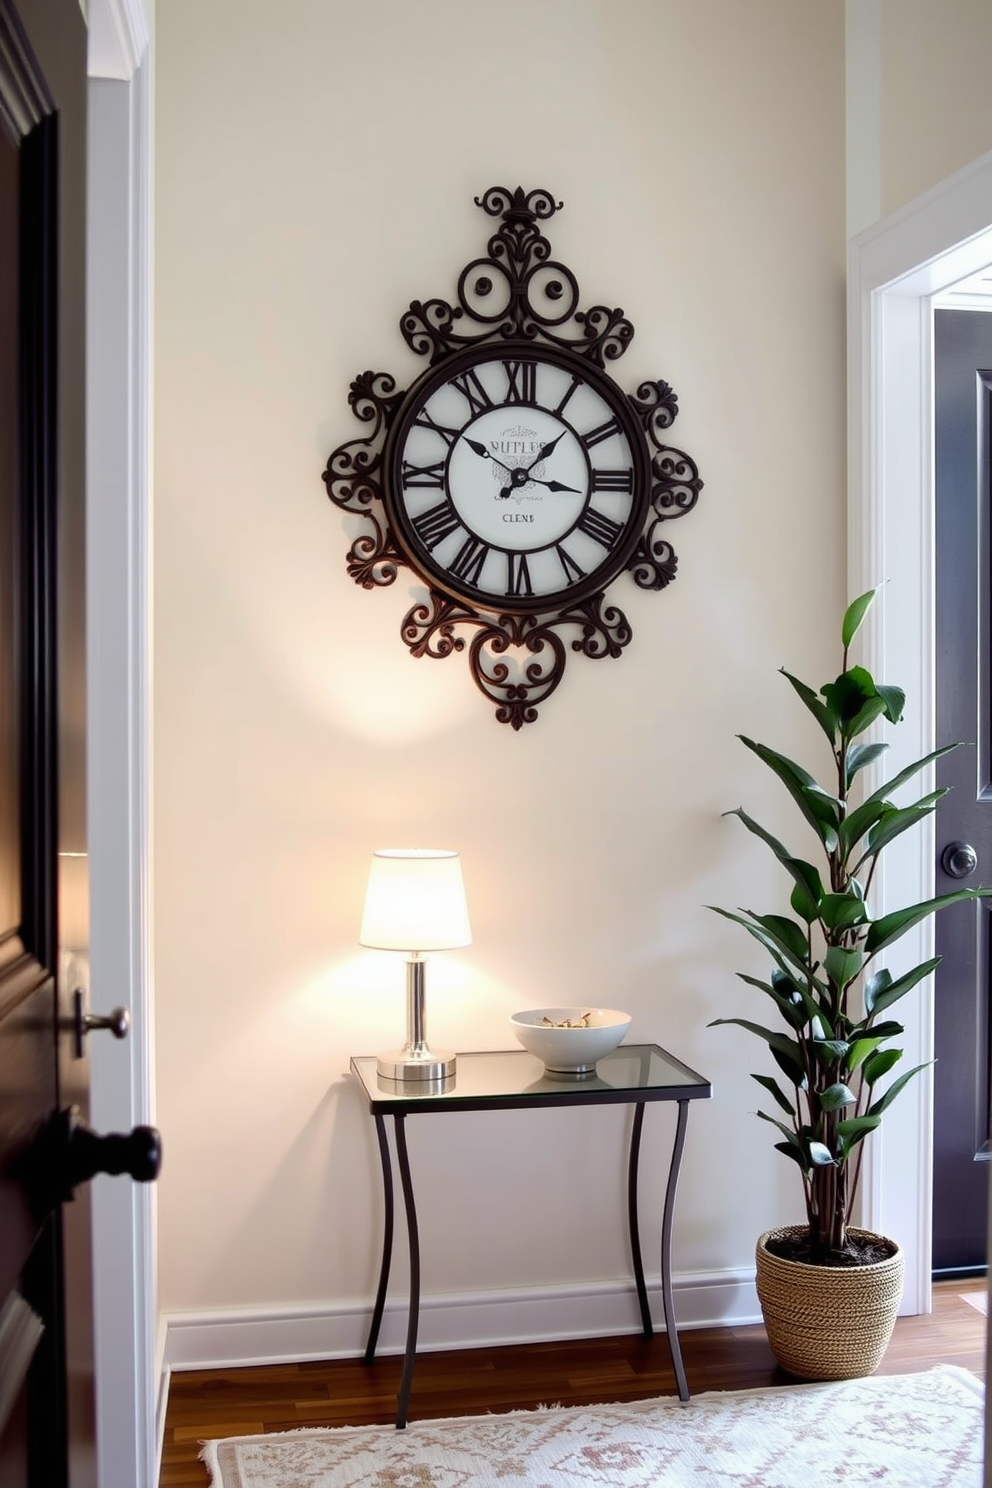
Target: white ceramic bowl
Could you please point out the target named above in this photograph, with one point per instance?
(570, 1050)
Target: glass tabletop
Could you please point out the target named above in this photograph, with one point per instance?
(511, 1077)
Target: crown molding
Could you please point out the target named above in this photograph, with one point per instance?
(119, 33)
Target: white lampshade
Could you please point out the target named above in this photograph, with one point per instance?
(415, 901)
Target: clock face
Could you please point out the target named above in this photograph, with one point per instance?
(517, 479)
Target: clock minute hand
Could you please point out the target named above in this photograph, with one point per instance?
(555, 485)
(483, 453)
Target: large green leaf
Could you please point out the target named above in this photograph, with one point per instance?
(786, 1131)
(894, 699)
(857, 822)
(859, 755)
(891, 926)
(824, 716)
(786, 933)
(806, 876)
(792, 1008)
(790, 986)
(771, 945)
(795, 1152)
(881, 991)
(880, 1063)
(802, 904)
(854, 1130)
(871, 709)
(855, 613)
(791, 1068)
(850, 694)
(859, 1051)
(886, 1030)
(842, 965)
(775, 1041)
(773, 1087)
(835, 1096)
(817, 806)
(841, 911)
(894, 822)
(888, 1096)
(891, 786)
(829, 1051)
(778, 848)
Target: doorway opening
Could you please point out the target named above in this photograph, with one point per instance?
(896, 269)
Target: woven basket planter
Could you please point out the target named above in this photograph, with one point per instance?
(827, 1322)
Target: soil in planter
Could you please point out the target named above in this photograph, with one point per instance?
(861, 1250)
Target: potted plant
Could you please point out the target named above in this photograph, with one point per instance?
(829, 1292)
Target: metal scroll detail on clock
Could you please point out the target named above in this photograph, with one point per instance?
(517, 296)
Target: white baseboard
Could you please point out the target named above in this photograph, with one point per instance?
(243, 1336)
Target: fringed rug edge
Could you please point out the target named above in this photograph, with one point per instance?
(208, 1452)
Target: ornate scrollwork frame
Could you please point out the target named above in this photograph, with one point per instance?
(518, 292)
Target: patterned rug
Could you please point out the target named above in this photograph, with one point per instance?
(893, 1431)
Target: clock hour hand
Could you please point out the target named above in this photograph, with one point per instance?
(545, 451)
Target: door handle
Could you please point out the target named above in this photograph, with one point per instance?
(959, 859)
(66, 1153)
(118, 1021)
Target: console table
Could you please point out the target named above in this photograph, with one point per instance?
(512, 1079)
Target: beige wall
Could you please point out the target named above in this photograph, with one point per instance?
(316, 163)
(934, 88)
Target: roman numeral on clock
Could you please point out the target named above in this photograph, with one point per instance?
(470, 559)
(472, 391)
(424, 421)
(604, 431)
(521, 382)
(423, 476)
(434, 525)
(613, 480)
(568, 393)
(518, 574)
(602, 528)
(573, 570)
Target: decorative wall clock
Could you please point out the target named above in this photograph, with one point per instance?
(514, 477)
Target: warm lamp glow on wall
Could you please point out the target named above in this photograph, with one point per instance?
(415, 902)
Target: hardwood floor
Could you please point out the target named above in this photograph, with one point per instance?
(239, 1402)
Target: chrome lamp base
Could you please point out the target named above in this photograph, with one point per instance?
(407, 1064)
(416, 1060)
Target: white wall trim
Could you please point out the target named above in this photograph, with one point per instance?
(118, 729)
(894, 269)
(118, 36)
(242, 1337)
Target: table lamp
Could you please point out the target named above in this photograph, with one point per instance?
(415, 902)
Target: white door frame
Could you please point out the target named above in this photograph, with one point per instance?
(894, 270)
(128, 1368)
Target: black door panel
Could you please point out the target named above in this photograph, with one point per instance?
(963, 475)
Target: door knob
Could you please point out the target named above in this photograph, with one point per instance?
(137, 1153)
(959, 859)
(66, 1153)
(118, 1021)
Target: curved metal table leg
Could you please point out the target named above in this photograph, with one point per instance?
(666, 1251)
(387, 1238)
(414, 1239)
(633, 1226)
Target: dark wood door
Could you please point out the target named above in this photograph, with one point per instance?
(45, 1406)
(963, 475)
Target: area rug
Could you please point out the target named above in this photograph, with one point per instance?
(891, 1431)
